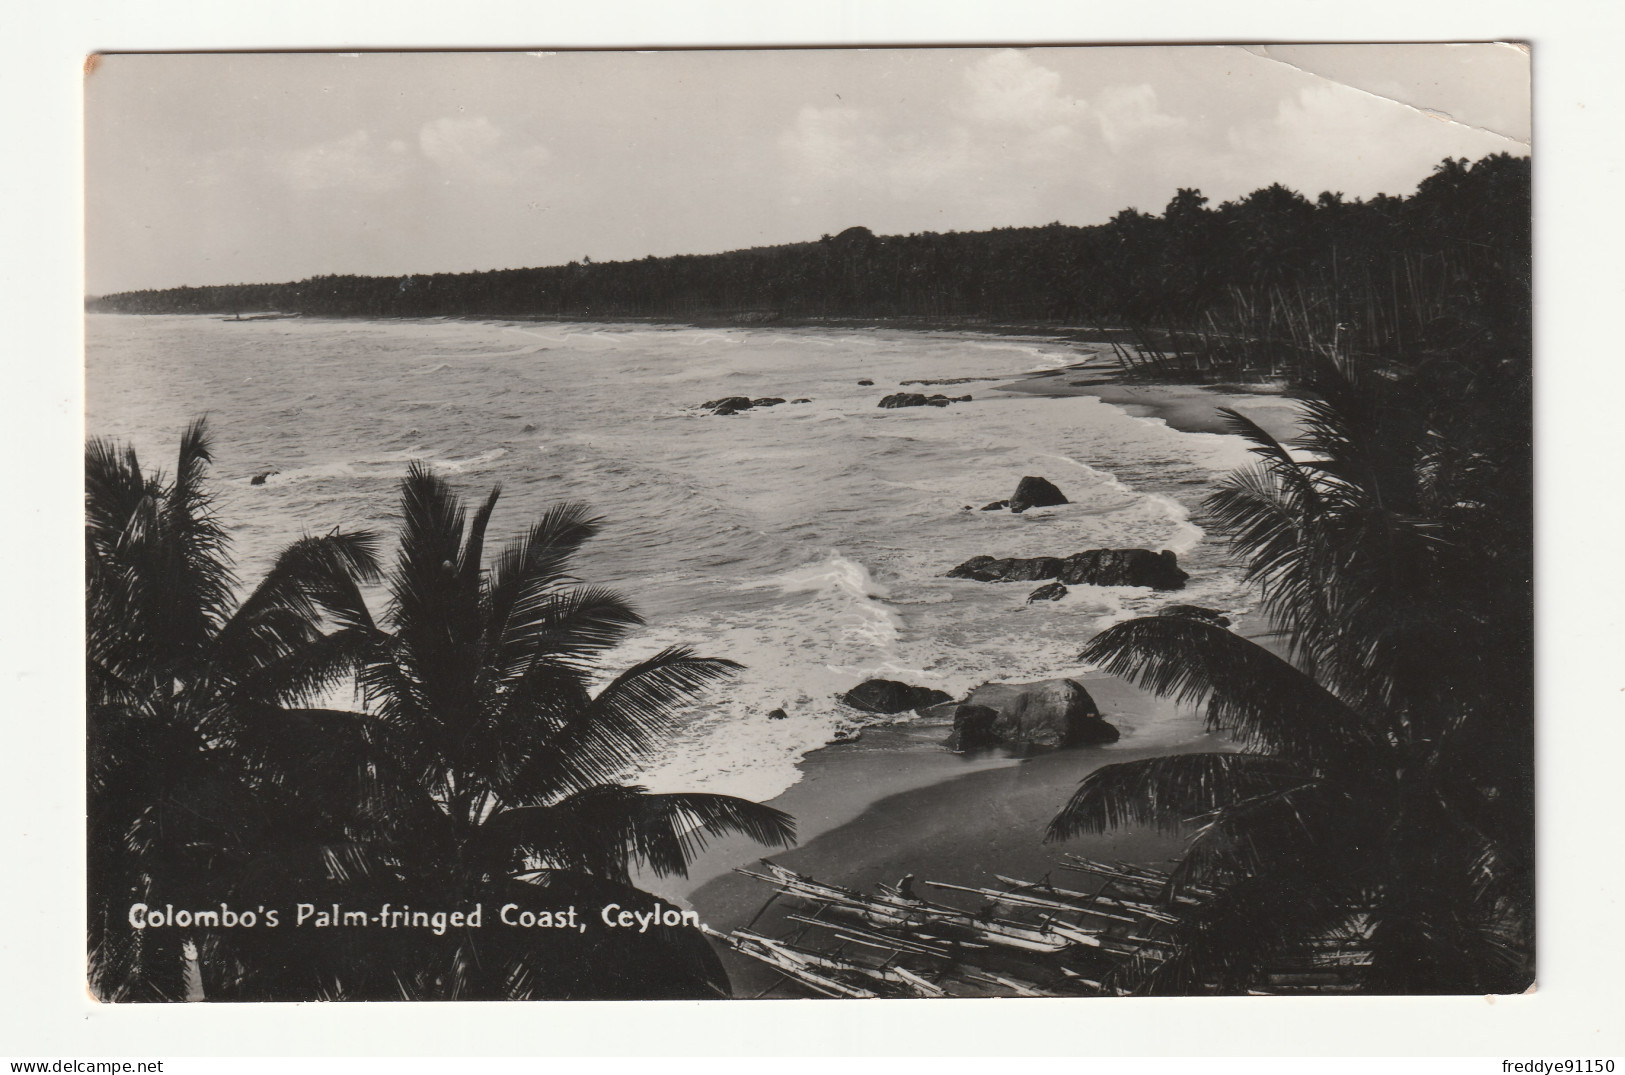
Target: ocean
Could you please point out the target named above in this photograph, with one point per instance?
(807, 541)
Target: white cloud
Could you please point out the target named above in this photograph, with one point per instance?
(1127, 113)
(1008, 88)
(352, 161)
(1009, 143)
(476, 150)
(1009, 119)
(1389, 145)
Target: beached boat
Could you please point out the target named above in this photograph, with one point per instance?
(1066, 942)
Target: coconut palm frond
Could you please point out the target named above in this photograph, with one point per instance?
(641, 702)
(669, 831)
(1169, 793)
(430, 602)
(1249, 691)
(601, 829)
(279, 622)
(620, 726)
(471, 561)
(200, 542)
(573, 624)
(539, 561)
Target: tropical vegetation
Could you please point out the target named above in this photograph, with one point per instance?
(1204, 289)
(481, 769)
(1376, 819)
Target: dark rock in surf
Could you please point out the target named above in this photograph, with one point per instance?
(1010, 569)
(530, 427)
(259, 479)
(1097, 567)
(917, 399)
(729, 405)
(1196, 612)
(866, 382)
(1124, 567)
(766, 401)
(777, 714)
(801, 401)
(890, 696)
(1048, 713)
(1035, 493)
(997, 505)
(1050, 591)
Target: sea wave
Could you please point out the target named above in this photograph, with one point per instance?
(391, 466)
(808, 543)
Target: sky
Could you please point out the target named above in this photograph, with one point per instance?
(235, 168)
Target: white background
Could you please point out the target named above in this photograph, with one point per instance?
(1577, 1011)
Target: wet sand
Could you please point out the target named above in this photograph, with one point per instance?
(1192, 408)
(898, 802)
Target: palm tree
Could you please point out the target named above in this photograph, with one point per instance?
(502, 766)
(1381, 796)
(485, 771)
(196, 756)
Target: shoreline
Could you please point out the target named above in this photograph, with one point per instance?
(898, 802)
(1189, 408)
(870, 812)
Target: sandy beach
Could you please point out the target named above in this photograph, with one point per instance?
(1190, 407)
(898, 802)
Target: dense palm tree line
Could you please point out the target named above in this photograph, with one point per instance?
(1381, 802)
(1380, 807)
(481, 767)
(1210, 290)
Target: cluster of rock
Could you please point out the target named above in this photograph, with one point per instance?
(735, 404)
(891, 696)
(1047, 714)
(916, 399)
(1030, 492)
(951, 380)
(1096, 567)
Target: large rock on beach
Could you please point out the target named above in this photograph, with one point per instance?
(1096, 567)
(1048, 713)
(973, 728)
(1035, 493)
(1196, 612)
(890, 696)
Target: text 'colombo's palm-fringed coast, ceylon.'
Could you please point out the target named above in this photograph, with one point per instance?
(417, 767)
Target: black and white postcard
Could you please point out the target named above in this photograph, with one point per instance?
(784, 523)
